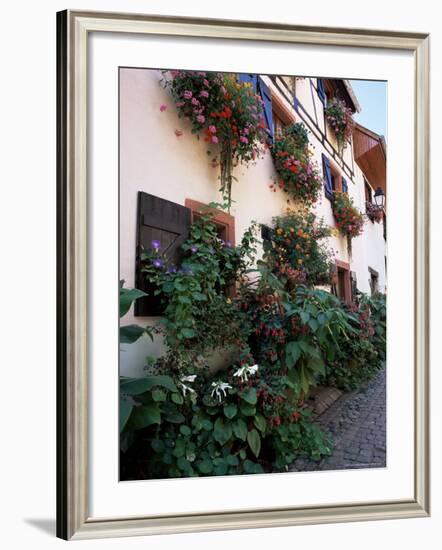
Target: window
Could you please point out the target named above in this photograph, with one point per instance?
(225, 224)
(321, 90)
(368, 192)
(164, 221)
(278, 123)
(260, 87)
(342, 281)
(333, 180)
(374, 281)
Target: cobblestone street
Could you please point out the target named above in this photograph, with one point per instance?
(357, 425)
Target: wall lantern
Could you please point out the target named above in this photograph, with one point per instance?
(379, 198)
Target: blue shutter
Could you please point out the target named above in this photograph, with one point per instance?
(328, 181)
(248, 77)
(266, 96)
(321, 90)
(344, 185)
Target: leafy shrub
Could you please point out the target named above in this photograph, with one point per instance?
(340, 118)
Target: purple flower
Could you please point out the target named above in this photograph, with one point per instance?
(201, 119)
(158, 263)
(171, 269)
(156, 244)
(204, 93)
(187, 94)
(194, 248)
(228, 244)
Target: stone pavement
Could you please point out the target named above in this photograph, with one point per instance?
(357, 425)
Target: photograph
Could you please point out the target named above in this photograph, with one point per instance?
(252, 273)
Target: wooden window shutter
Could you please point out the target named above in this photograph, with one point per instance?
(321, 90)
(248, 77)
(328, 180)
(344, 185)
(266, 96)
(354, 284)
(164, 221)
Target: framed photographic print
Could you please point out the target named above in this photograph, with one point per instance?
(236, 321)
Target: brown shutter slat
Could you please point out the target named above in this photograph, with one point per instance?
(167, 222)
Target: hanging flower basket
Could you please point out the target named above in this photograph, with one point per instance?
(228, 115)
(340, 118)
(349, 220)
(297, 174)
(374, 213)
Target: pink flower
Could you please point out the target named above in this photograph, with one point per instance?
(243, 139)
(179, 103)
(163, 107)
(214, 139)
(203, 93)
(212, 129)
(178, 132)
(206, 82)
(195, 101)
(201, 119)
(187, 94)
(173, 74)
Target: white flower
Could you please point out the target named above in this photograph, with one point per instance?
(220, 387)
(185, 388)
(242, 372)
(189, 378)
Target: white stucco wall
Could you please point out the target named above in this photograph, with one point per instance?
(154, 160)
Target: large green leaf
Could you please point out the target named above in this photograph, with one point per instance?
(293, 353)
(254, 441)
(230, 410)
(127, 297)
(249, 396)
(260, 423)
(137, 386)
(145, 415)
(240, 429)
(222, 431)
(130, 333)
(125, 410)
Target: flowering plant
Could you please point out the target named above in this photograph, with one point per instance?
(374, 213)
(226, 112)
(340, 118)
(298, 250)
(349, 219)
(297, 174)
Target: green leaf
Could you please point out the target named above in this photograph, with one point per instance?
(254, 441)
(293, 353)
(158, 395)
(187, 333)
(177, 398)
(145, 415)
(157, 445)
(232, 460)
(222, 431)
(220, 466)
(230, 410)
(130, 334)
(127, 297)
(125, 410)
(240, 429)
(136, 386)
(180, 448)
(252, 467)
(205, 466)
(174, 417)
(184, 465)
(185, 430)
(260, 423)
(249, 396)
(247, 410)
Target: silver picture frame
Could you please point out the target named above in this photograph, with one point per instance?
(73, 518)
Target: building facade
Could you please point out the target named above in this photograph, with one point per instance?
(162, 159)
